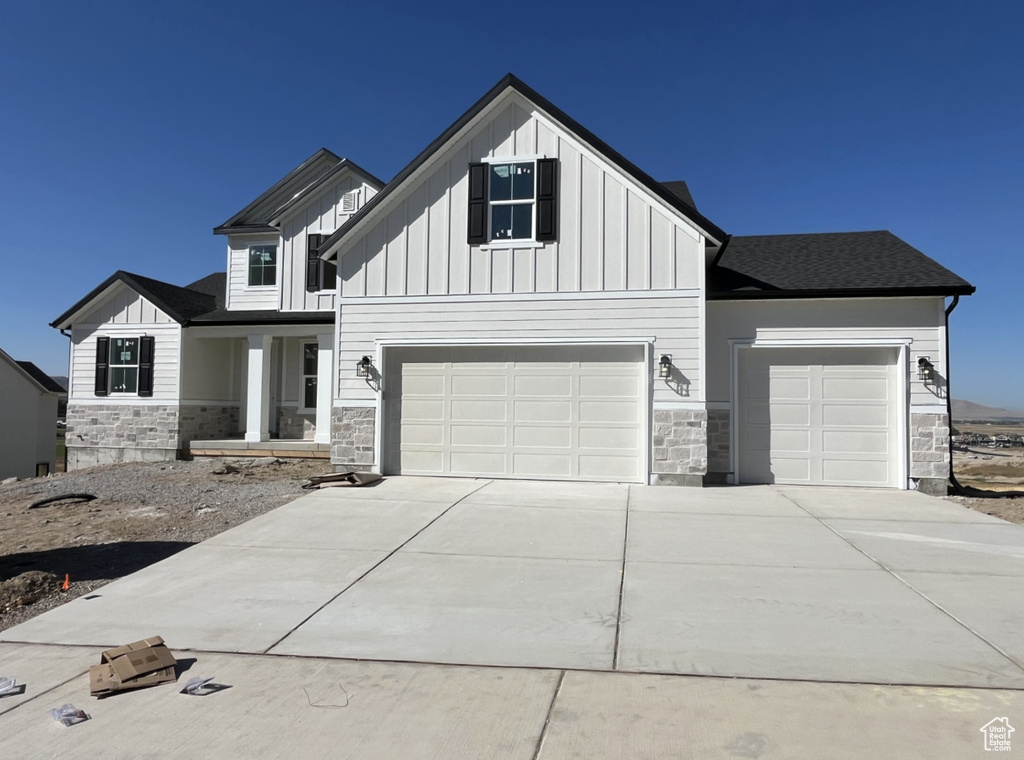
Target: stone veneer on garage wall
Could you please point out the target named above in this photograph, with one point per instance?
(929, 452)
(352, 434)
(719, 434)
(102, 434)
(680, 447)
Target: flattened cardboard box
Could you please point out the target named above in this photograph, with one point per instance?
(142, 663)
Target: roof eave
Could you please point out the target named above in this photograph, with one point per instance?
(246, 229)
(772, 295)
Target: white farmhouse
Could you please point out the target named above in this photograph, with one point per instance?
(521, 301)
(28, 419)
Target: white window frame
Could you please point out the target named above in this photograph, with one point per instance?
(248, 265)
(530, 242)
(111, 366)
(303, 409)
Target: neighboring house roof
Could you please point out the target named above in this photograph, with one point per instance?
(41, 378)
(201, 302)
(680, 189)
(32, 374)
(510, 81)
(294, 187)
(827, 265)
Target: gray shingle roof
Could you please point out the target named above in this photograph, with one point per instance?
(828, 264)
(41, 377)
(680, 190)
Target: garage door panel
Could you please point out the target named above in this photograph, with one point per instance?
(609, 411)
(528, 436)
(855, 415)
(554, 412)
(423, 409)
(855, 389)
(624, 438)
(472, 463)
(423, 385)
(855, 442)
(543, 385)
(605, 386)
(607, 467)
(474, 435)
(425, 434)
(546, 465)
(475, 385)
(789, 414)
(855, 472)
(790, 440)
(832, 414)
(543, 411)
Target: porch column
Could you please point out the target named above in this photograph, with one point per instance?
(257, 408)
(324, 389)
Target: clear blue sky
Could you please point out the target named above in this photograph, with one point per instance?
(128, 130)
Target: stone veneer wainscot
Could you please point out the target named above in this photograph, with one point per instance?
(352, 436)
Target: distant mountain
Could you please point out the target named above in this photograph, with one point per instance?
(968, 410)
(62, 381)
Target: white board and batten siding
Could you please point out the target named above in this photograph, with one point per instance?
(612, 234)
(323, 213)
(124, 314)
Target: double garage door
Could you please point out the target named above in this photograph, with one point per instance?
(541, 412)
(819, 416)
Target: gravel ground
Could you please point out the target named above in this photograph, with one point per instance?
(142, 513)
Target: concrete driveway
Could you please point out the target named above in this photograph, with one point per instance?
(761, 582)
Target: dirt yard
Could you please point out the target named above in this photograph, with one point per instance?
(142, 513)
(996, 476)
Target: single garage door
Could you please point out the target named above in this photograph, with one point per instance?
(546, 412)
(819, 416)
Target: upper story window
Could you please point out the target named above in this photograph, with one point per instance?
(511, 192)
(513, 202)
(262, 265)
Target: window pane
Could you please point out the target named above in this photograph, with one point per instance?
(522, 221)
(309, 354)
(263, 265)
(309, 391)
(522, 182)
(500, 187)
(124, 351)
(124, 379)
(501, 222)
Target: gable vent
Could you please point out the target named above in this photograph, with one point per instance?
(349, 201)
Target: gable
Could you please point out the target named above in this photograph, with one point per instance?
(123, 306)
(614, 233)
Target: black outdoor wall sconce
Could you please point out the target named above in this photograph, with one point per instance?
(363, 367)
(925, 369)
(665, 366)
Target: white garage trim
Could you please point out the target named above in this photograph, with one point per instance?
(902, 345)
(645, 344)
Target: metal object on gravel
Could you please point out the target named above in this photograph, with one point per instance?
(63, 497)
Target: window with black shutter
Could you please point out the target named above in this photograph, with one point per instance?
(513, 202)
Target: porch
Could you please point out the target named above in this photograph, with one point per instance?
(239, 447)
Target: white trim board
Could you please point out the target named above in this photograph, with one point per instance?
(928, 409)
(588, 295)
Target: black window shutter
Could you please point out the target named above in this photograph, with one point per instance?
(146, 365)
(547, 199)
(102, 365)
(477, 204)
(329, 275)
(313, 261)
